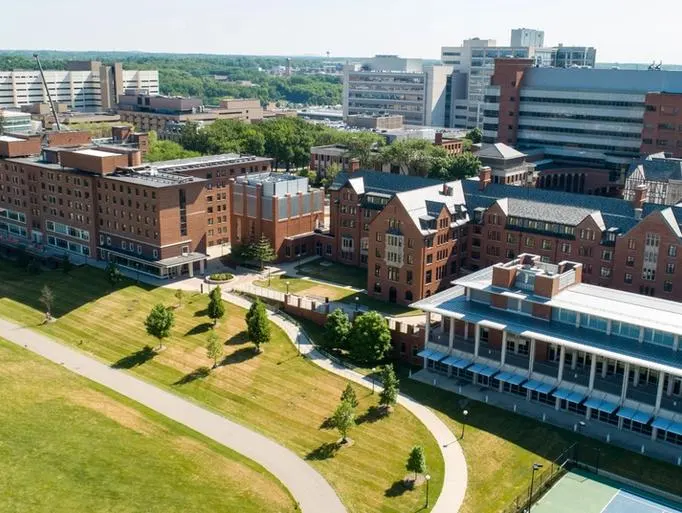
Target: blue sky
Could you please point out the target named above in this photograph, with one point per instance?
(621, 30)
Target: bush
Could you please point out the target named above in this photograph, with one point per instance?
(221, 276)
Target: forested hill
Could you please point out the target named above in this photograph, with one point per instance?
(194, 75)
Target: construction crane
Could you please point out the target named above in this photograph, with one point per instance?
(49, 96)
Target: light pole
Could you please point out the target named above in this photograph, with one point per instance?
(357, 302)
(536, 467)
(287, 288)
(464, 421)
(428, 478)
(269, 276)
(374, 369)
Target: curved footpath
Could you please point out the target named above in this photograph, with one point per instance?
(455, 478)
(307, 486)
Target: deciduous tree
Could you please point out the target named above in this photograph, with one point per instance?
(159, 322)
(113, 273)
(370, 338)
(262, 251)
(344, 419)
(389, 394)
(348, 395)
(47, 299)
(258, 325)
(416, 462)
(216, 307)
(214, 347)
(336, 330)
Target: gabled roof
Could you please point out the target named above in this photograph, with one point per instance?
(427, 203)
(561, 214)
(672, 221)
(377, 181)
(658, 168)
(499, 151)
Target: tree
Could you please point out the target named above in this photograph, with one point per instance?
(455, 167)
(344, 419)
(159, 322)
(330, 173)
(389, 394)
(475, 135)
(370, 338)
(348, 395)
(216, 307)
(262, 251)
(416, 462)
(47, 299)
(166, 150)
(257, 324)
(214, 348)
(67, 266)
(113, 273)
(336, 330)
(179, 295)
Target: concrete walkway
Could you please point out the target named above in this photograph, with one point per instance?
(308, 487)
(455, 478)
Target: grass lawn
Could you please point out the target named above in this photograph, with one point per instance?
(284, 396)
(334, 293)
(355, 277)
(71, 445)
(500, 447)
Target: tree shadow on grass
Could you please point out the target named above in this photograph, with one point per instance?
(239, 356)
(327, 423)
(397, 489)
(323, 452)
(373, 414)
(201, 313)
(240, 338)
(200, 328)
(199, 373)
(135, 359)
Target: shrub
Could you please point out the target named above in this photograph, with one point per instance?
(221, 276)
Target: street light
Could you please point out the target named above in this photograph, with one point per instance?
(464, 421)
(536, 467)
(428, 478)
(371, 377)
(357, 302)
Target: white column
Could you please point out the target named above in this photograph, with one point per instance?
(503, 358)
(635, 378)
(442, 323)
(574, 359)
(531, 357)
(577, 320)
(604, 366)
(466, 330)
(201, 266)
(659, 392)
(427, 328)
(191, 269)
(562, 361)
(608, 326)
(676, 343)
(641, 334)
(624, 387)
(669, 390)
(477, 340)
(593, 372)
(451, 340)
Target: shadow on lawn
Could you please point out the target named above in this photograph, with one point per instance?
(372, 415)
(200, 373)
(327, 423)
(236, 340)
(240, 355)
(397, 489)
(135, 359)
(323, 452)
(200, 328)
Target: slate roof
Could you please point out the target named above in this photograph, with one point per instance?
(428, 202)
(376, 181)
(562, 214)
(499, 151)
(658, 168)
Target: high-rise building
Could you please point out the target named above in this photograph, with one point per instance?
(82, 86)
(527, 37)
(390, 85)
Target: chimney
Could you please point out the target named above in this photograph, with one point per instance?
(447, 190)
(439, 139)
(640, 196)
(484, 177)
(354, 165)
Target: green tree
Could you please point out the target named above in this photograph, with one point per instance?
(336, 330)
(455, 167)
(67, 266)
(258, 326)
(216, 306)
(348, 395)
(389, 394)
(344, 419)
(416, 462)
(262, 251)
(113, 273)
(214, 347)
(370, 338)
(179, 295)
(475, 135)
(159, 323)
(166, 150)
(411, 156)
(47, 299)
(330, 173)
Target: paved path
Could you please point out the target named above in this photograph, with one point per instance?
(307, 486)
(455, 479)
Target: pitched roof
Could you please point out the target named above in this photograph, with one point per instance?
(427, 203)
(658, 168)
(377, 181)
(499, 151)
(561, 214)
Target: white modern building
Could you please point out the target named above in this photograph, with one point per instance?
(12, 121)
(88, 86)
(533, 330)
(527, 37)
(390, 85)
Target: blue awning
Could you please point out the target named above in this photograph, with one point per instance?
(436, 356)
(544, 388)
(450, 360)
(607, 407)
(424, 353)
(476, 368)
(575, 397)
(675, 428)
(462, 364)
(488, 371)
(661, 423)
(642, 417)
(531, 384)
(626, 413)
(562, 393)
(516, 379)
(593, 402)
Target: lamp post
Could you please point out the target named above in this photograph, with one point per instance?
(374, 369)
(536, 467)
(287, 288)
(428, 478)
(357, 302)
(269, 276)
(137, 273)
(464, 421)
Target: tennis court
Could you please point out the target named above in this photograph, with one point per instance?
(586, 493)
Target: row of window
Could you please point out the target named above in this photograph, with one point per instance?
(65, 229)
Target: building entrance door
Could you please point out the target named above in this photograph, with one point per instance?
(392, 295)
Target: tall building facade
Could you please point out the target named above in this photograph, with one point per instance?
(527, 37)
(390, 85)
(593, 117)
(82, 86)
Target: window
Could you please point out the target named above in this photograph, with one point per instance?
(380, 237)
(429, 277)
(565, 247)
(667, 286)
(377, 270)
(546, 244)
(627, 278)
(429, 259)
(529, 242)
(410, 243)
(511, 239)
(632, 244)
(670, 268)
(155, 253)
(607, 255)
(630, 261)
(393, 274)
(605, 272)
(124, 245)
(649, 274)
(410, 259)
(408, 277)
(672, 250)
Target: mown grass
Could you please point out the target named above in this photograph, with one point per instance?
(69, 445)
(284, 396)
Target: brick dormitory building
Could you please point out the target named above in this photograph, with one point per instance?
(63, 194)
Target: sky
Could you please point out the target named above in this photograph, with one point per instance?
(621, 30)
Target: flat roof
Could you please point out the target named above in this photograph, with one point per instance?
(178, 165)
(151, 177)
(9, 138)
(97, 153)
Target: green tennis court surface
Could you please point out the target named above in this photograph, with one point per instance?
(586, 493)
